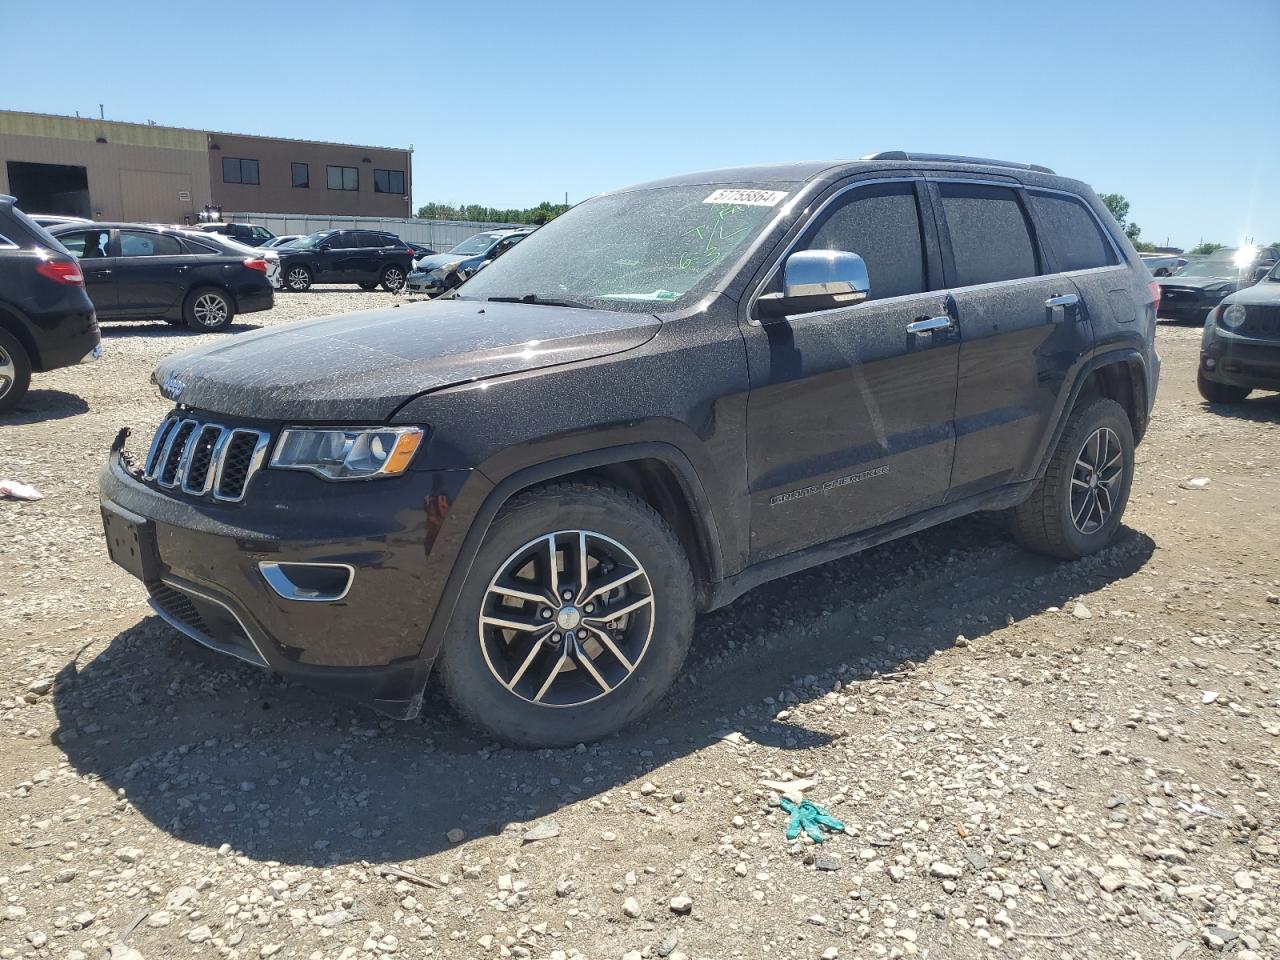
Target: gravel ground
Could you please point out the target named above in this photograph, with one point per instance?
(1031, 759)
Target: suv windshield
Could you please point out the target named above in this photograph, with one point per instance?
(474, 245)
(309, 242)
(646, 247)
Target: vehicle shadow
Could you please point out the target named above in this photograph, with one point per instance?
(1260, 408)
(41, 405)
(215, 752)
(156, 329)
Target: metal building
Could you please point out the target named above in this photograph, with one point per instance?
(109, 170)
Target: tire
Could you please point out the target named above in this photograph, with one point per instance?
(588, 702)
(15, 371)
(1216, 392)
(208, 308)
(175, 323)
(393, 278)
(366, 285)
(297, 278)
(1064, 516)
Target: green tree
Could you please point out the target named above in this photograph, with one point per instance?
(1118, 206)
(1206, 248)
(544, 212)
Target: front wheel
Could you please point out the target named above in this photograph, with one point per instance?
(15, 371)
(1216, 392)
(392, 279)
(368, 285)
(575, 620)
(1077, 507)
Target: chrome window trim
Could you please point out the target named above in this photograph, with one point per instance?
(782, 258)
(286, 589)
(6, 243)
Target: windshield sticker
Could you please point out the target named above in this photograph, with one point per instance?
(748, 198)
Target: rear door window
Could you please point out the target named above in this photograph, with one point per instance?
(1071, 231)
(138, 244)
(990, 239)
(881, 224)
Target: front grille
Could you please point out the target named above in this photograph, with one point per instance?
(202, 458)
(1261, 322)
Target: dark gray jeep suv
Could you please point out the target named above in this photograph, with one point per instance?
(662, 398)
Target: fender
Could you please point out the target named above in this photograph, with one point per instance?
(21, 329)
(1120, 355)
(496, 495)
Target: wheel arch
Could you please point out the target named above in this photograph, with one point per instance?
(14, 322)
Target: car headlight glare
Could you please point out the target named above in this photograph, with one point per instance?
(1233, 316)
(348, 454)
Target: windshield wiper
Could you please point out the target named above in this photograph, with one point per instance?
(542, 301)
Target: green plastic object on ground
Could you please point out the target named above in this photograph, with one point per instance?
(811, 817)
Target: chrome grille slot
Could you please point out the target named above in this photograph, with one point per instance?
(203, 459)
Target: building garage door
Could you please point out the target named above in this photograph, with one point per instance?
(148, 196)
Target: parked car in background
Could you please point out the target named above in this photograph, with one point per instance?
(664, 397)
(443, 272)
(364, 257)
(219, 243)
(48, 220)
(281, 241)
(46, 318)
(250, 234)
(1162, 264)
(134, 271)
(1240, 350)
(1201, 285)
(420, 250)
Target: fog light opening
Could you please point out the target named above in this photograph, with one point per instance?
(321, 582)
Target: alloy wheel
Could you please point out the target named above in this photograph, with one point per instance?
(298, 279)
(8, 372)
(1096, 480)
(392, 278)
(567, 619)
(210, 310)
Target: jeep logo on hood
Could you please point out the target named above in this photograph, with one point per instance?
(172, 387)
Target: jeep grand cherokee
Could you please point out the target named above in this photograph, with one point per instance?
(664, 397)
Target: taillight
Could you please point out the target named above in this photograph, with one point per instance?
(1153, 288)
(256, 263)
(61, 271)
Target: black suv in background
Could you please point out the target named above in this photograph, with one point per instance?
(664, 397)
(136, 272)
(365, 257)
(46, 318)
(250, 234)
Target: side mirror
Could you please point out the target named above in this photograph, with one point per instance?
(818, 280)
(1261, 272)
(325, 247)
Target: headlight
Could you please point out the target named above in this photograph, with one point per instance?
(447, 269)
(348, 454)
(1217, 291)
(1233, 316)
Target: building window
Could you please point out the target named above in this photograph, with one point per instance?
(235, 170)
(301, 174)
(388, 181)
(344, 178)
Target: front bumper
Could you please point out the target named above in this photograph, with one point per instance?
(200, 560)
(1194, 309)
(428, 283)
(1240, 361)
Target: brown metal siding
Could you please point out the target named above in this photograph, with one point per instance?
(275, 192)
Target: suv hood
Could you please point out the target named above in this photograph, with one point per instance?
(360, 367)
(1263, 293)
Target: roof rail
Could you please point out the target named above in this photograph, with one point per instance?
(952, 158)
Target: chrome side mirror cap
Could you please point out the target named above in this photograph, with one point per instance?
(818, 280)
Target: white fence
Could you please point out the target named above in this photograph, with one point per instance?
(438, 234)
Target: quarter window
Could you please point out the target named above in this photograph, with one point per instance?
(990, 240)
(881, 224)
(344, 178)
(1072, 232)
(388, 181)
(136, 244)
(236, 170)
(301, 173)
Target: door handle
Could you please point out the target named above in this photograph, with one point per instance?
(1062, 300)
(99, 273)
(928, 325)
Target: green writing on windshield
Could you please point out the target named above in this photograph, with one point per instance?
(712, 238)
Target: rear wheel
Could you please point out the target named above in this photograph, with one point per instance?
(297, 278)
(392, 279)
(1077, 508)
(576, 618)
(15, 371)
(1220, 392)
(368, 285)
(208, 309)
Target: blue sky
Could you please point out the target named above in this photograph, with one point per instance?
(1172, 103)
